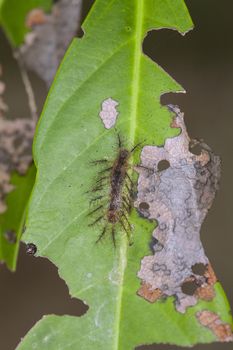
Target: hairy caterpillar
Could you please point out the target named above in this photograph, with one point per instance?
(115, 204)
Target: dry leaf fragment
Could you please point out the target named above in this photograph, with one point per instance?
(149, 293)
(206, 290)
(211, 320)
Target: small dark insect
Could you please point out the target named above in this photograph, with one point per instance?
(31, 249)
(114, 194)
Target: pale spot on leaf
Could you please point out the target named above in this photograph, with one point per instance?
(108, 113)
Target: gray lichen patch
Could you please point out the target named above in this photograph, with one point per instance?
(109, 113)
(178, 197)
(212, 321)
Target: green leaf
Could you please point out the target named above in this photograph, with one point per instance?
(106, 63)
(13, 15)
(11, 222)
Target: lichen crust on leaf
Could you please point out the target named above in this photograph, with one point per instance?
(179, 197)
(106, 63)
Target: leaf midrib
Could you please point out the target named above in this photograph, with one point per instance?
(133, 125)
(60, 110)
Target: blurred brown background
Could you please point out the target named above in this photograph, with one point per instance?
(202, 62)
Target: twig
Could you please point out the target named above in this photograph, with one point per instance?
(28, 87)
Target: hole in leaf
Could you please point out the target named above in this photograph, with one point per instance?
(195, 148)
(144, 206)
(163, 165)
(199, 269)
(128, 28)
(189, 287)
(143, 209)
